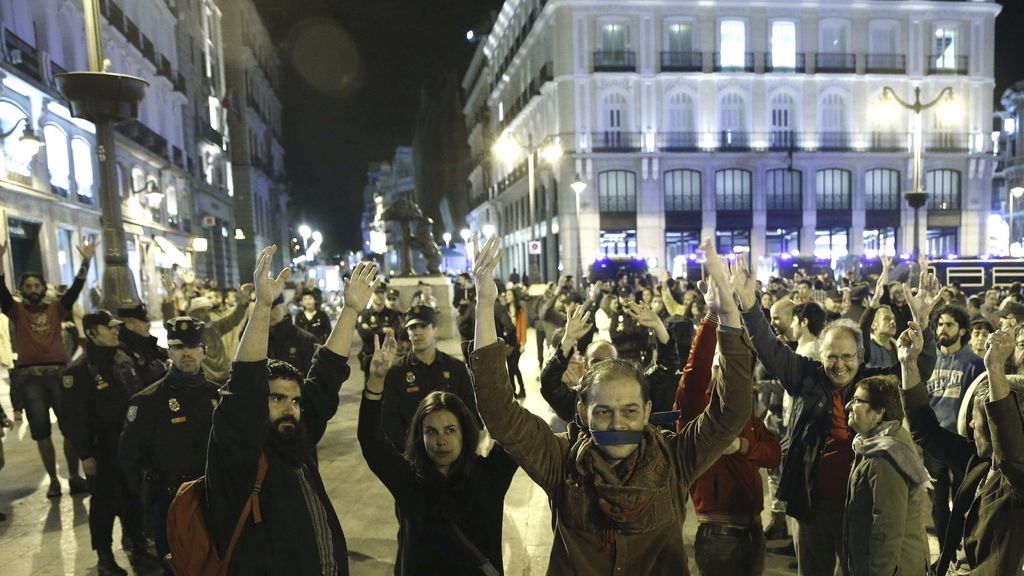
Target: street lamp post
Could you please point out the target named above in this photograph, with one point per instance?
(29, 142)
(1015, 192)
(578, 186)
(447, 237)
(917, 197)
(106, 99)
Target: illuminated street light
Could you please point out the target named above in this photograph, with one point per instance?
(1015, 192)
(488, 230)
(447, 237)
(28, 142)
(578, 186)
(465, 234)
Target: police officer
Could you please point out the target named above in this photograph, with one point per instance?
(95, 390)
(376, 321)
(422, 371)
(168, 426)
(288, 342)
(149, 358)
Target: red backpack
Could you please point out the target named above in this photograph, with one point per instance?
(193, 552)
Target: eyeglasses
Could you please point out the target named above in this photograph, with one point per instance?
(1020, 345)
(832, 358)
(856, 400)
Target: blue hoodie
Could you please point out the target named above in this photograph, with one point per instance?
(953, 374)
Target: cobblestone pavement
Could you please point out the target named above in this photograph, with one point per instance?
(51, 537)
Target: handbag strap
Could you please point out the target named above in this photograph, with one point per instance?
(485, 565)
(252, 504)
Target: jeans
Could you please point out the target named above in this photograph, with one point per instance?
(819, 541)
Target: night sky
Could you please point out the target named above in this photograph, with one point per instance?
(352, 73)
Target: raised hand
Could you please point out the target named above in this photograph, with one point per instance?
(998, 349)
(743, 284)
(86, 250)
(577, 325)
(485, 260)
(383, 355)
(925, 299)
(189, 276)
(359, 287)
(268, 288)
(910, 343)
(643, 314)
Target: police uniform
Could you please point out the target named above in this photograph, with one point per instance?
(95, 391)
(370, 325)
(149, 358)
(166, 431)
(410, 380)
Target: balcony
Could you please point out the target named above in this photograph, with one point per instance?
(682, 62)
(164, 69)
(734, 141)
(54, 70)
(953, 65)
(611, 141)
(889, 142)
(782, 140)
(178, 157)
(617, 61)
(23, 56)
(798, 63)
(148, 50)
(835, 141)
(679, 141)
(116, 17)
(835, 63)
(179, 83)
(946, 142)
(132, 33)
(886, 64)
(733, 65)
(547, 73)
(143, 136)
(209, 133)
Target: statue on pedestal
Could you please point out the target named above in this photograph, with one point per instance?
(406, 212)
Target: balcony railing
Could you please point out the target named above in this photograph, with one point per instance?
(144, 136)
(678, 141)
(782, 140)
(682, 62)
(797, 64)
(886, 64)
(956, 65)
(615, 61)
(835, 62)
(611, 141)
(734, 66)
(946, 142)
(148, 50)
(22, 56)
(178, 156)
(834, 141)
(54, 70)
(179, 83)
(209, 133)
(132, 33)
(733, 140)
(116, 17)
(547, 72)
(889, 141)
(164, 69)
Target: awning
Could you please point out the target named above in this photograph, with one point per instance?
(172, 252)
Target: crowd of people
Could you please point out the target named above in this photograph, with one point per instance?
(877, 409)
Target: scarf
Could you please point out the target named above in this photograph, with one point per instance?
(879, 444)
(189, 380)
(625, 491)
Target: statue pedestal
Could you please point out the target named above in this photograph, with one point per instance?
(441, 287)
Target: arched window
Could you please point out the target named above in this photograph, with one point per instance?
(616, 191)
(833, 189)
(682, 191)
(81, 154)
(832, 122)
(732, 189)
(943, 188)
(784, 189)
(18, 161)
(732, 121)
(679, 115)
(782, 121)
(57, 161)
(138, 180)
(882, 189)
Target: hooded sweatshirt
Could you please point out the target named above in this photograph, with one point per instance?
(953, 374)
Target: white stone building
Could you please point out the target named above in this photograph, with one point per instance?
(760, 124)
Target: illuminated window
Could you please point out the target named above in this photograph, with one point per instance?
(732, 43)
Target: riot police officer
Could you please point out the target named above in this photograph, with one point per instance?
(168, 425)
(149, 358)
(95, 390)
(376, 321)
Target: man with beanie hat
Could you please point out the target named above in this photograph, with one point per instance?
(149, 358)
(95, 391)
(167, 426)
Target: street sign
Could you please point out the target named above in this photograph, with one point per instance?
(535, 247)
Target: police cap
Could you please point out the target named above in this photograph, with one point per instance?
(184, 331)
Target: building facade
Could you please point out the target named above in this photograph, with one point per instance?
(1010, 170)
(764, 127)
(253, 76)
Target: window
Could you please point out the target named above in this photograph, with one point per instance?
(57, 161)
(881, 241)
(65, 256)
(833, 113)
(732, 189)
(783, 44)
(943, 188)
(680, 113)
(680, 37)
(613, 106)
(682, 191)
(942, 242)
(784, 189)
(81, 153)
(728, 240)
(882, 189)
(945, 47)
(616, 191)
(172, 204)
(833, 189)
(782, 241)
(783, 109)
(884, 37)
(833, 35)
(17, 160)
(614, 37)
(732, 43)
(732, 116)
(831, 243)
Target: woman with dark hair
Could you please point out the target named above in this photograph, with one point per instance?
(886, 496)
(449, 498)
(515, 346)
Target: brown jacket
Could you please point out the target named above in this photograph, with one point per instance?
(653, 543)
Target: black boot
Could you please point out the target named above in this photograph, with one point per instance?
(107, 566)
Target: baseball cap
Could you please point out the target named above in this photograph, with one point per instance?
(421, 315)
(100, 317)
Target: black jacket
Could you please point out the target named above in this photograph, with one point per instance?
(805, 380)
(428, 506)
(166, 432)
(291, 344)
(95, 390)
(149, 358)
(319, 326)
(285, 542)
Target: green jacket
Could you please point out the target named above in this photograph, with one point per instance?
(586, 540)
(885, 516)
